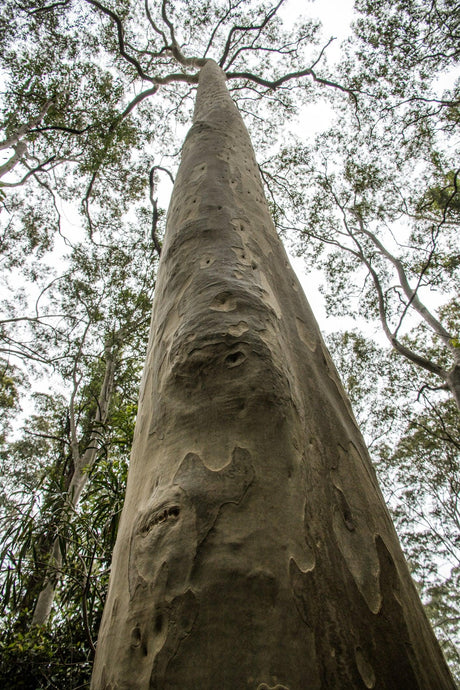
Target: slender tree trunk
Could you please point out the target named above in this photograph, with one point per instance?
(255, 550)
(81, 466)
(453, 382)
(45, 598)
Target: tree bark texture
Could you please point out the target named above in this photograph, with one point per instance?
(255, 550)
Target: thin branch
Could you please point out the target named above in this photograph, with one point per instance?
(275, 84)
(414, 357)
(48, 8)
(84, 598)
(228, 44)
(221, 21)
(154, 203)
(20, 150)
(153, 24)
(61, 128)
(121, 39)
(32, 171)
(411, 294)
(14, 139)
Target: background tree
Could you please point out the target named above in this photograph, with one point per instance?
(59, 654)
(98, 312)
(376, 202)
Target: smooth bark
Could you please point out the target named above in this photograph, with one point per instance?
(255, 550)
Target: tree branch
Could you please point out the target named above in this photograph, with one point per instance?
(411, 294)
(154, 203)
(10, 142)
(32, 171)
(228, 44)
(121, 39)
(276, 83)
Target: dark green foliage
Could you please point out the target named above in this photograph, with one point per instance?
(52, 658)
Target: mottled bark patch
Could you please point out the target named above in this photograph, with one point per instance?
(209, 490)
(365, 669)
(355, 647)
(180, 614)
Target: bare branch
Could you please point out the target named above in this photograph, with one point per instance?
(174, 47)
(360, 254)
(20, 149)
(32, 171)
(48, 8)
(167, 21)
(138, 99)
(10, 142)
(286, 49)
(62, 128)
(275, 84)
(153, 25)
(411, 294)
(417, 359)
(221, 21)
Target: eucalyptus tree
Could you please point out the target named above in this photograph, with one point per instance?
(61, 652)
(252, 512)
(376, 202)
(95, 114)
(93, 124)
(389, 251)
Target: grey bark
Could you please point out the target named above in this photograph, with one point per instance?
(255, 550)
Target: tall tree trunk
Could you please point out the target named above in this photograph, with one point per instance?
(82, 464)
(255, 550)
(453, 381)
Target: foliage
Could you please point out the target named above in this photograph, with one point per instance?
(54, 657)
(10, 381)
(376, 198)
(60, 652)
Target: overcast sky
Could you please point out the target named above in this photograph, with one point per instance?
(336, 17)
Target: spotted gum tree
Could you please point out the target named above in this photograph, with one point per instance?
(255, 549)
